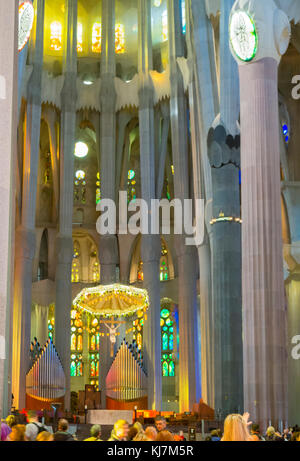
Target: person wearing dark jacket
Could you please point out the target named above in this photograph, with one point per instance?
(62, 435)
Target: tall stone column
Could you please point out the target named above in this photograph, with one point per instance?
(108, 244)
(264, 316)
(25, 234)
(224, 156)
(64, 241)
(203, 106)
(150, 246)
(291, 193)
(8, 123)
(189, 373)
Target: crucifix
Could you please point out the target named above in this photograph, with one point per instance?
(112, 326)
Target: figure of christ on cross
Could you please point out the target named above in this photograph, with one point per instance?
(112, 326)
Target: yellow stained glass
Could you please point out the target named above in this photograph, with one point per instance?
(79, 38)
(96, 38)
(55, 36)
(120, 38)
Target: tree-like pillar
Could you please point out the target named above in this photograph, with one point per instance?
(264, 316)
(64, 241)
(189, 372)
(25, 234)
(224, 156)
(8, 123)
(150, 246)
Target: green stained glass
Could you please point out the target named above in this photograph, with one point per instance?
(73, 368)
(79, 368)
(165, 342)
(165, 356)
(165, 369)
(165, 313)
(171, 369)
(165, 328)
(169, 322)
(171, 329)
(171, 342)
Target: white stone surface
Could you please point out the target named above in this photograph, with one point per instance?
(109, 417)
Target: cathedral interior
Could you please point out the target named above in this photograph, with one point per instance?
(147, 98)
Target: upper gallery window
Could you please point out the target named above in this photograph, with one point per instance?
(120, 38)
(164, 19)
(96, 38)
(79, 38)
(56, 36)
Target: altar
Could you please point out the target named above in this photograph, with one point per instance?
(109, 417)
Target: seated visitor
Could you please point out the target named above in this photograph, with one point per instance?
(236, 429)
(17, 433)
(151, 433)
(160, 423)
(34, 427)
(62, 435)
(164, 436)
(120, 431)
(95, 434)
(45, 436)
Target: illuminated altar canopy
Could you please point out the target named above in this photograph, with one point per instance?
(112, 300)
(26, 17)
(56, 36)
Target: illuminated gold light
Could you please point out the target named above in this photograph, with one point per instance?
(55, 36)
(120, 38)
(79, 38)
(96, 37)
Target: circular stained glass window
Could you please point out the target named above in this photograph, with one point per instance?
(165, 313)
(243, 36)
(26, 17)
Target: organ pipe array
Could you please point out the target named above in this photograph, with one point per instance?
(126, 379)
(46, 379)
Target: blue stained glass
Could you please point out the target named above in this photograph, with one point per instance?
(171, 369)
(171, 343)
(165, 369)
(165, 342)
(171, 329)
(165, 328)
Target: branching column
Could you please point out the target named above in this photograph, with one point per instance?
(264, 315)
(150, 246)
(189, 372)
(25, 234)
(8, 123)
(64, 242)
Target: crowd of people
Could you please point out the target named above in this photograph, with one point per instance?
(237, 428)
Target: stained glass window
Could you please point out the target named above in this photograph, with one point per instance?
(164, 19)
(79, 38)
(55, 36)
(98, 189)
(80, 187)
(94, 347)
(131, 189)
(76, 367)
(164, 266)
(120, 38)
(167, 342)
(183, 16)
(51, 322)
(96, 38)
(140, 274)
(138, 326)
(75, 277)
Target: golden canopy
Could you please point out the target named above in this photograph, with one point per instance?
(112, 300)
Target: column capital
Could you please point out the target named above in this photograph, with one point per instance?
(258, 30)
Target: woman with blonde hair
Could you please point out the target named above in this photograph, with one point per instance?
(236, 429)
